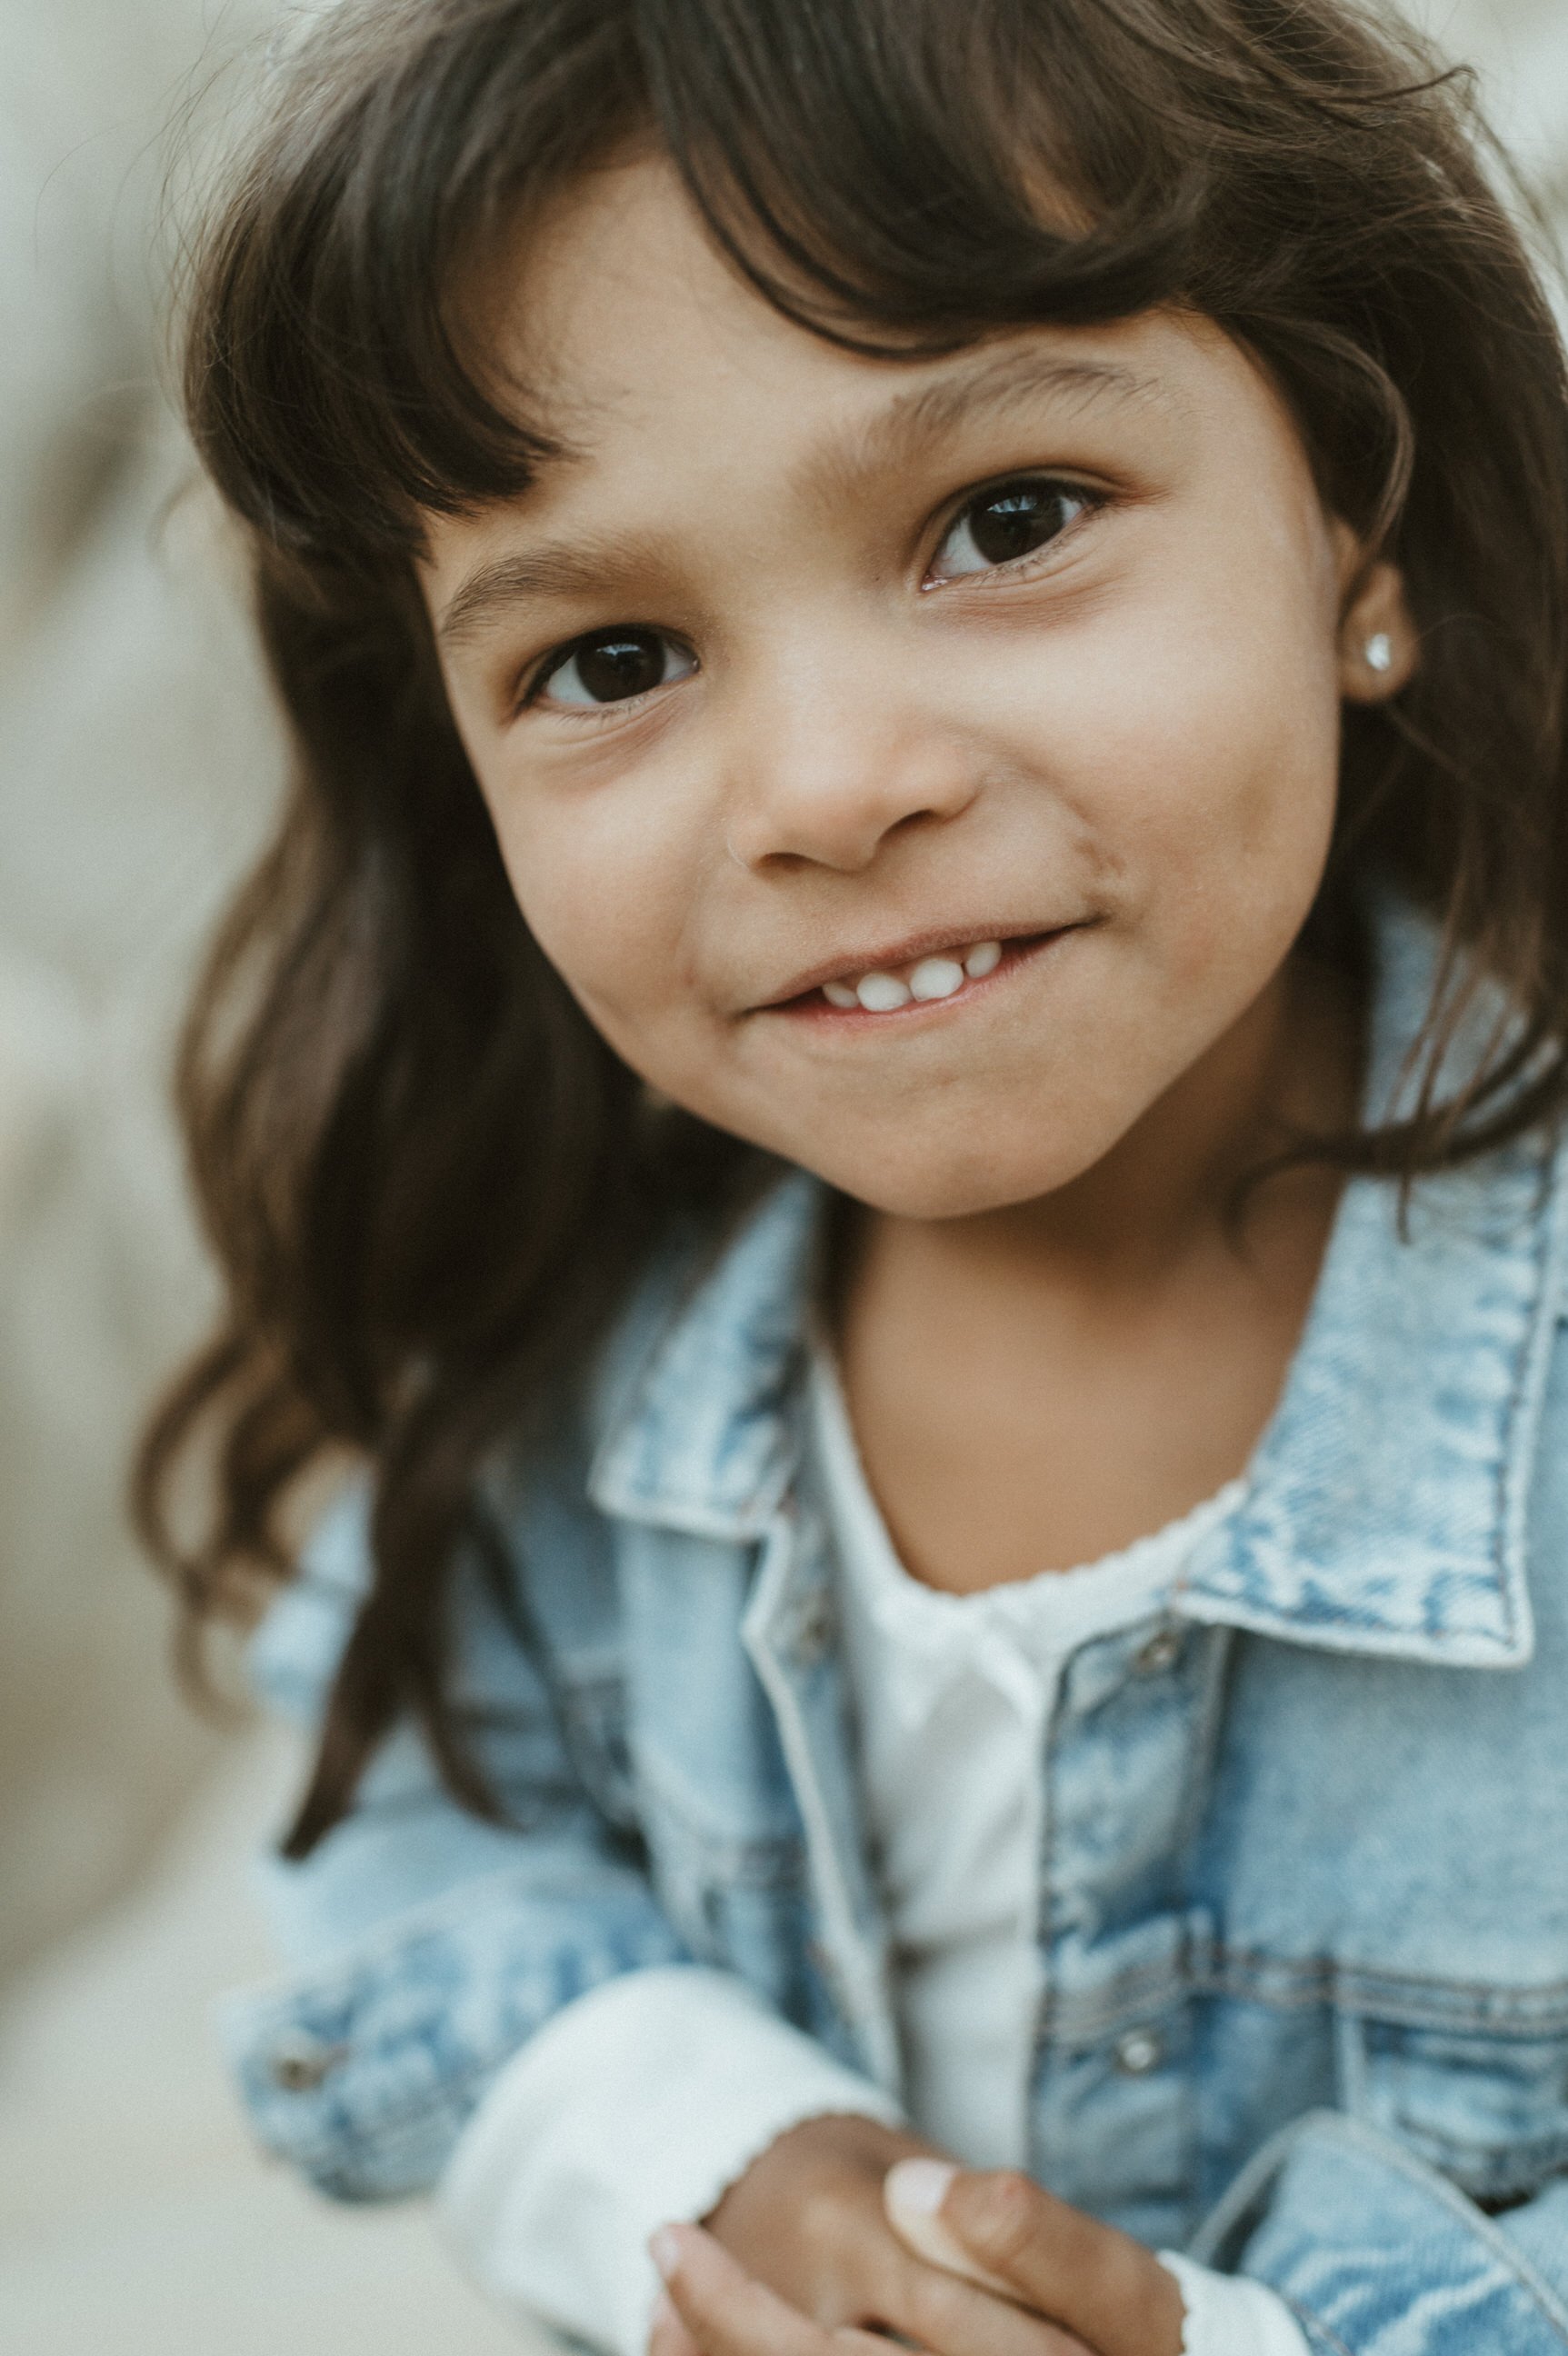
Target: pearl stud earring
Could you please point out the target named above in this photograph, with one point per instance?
(1379, 652)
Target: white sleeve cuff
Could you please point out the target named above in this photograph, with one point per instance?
(1232, 2315)
(639, 2102)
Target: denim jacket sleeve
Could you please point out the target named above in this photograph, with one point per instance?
(1379, 2256)
(424, 1947)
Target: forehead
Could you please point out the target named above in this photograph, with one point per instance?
(656, 379)
(614, 312)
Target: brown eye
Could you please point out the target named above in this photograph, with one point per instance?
(1002, 525)
(613, 666)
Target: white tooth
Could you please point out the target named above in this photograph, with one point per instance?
(984, 959)
(881, 993)
(935, 977)
(839, 993)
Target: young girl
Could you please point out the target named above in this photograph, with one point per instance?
(897, 1077)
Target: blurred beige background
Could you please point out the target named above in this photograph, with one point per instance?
(138, 766)
(139, 762)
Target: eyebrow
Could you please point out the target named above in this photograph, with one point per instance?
(561, 569)
(909, 422)
(926, 414)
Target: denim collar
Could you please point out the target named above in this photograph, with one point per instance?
(1384, 1508)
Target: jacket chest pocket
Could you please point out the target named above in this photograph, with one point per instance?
(1485, 2106)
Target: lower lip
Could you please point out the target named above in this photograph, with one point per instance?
(1015, 954)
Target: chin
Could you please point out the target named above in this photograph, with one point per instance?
(961, 1188)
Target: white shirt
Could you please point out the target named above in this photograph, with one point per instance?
(953, 1695)
(644, 2100)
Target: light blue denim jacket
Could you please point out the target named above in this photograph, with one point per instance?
(1303, 1910)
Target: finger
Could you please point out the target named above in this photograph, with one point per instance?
(940, 2307)
(1098, 2282)
(666, 2335)
(913, 2191)
(953, 2316)
(728, 2314)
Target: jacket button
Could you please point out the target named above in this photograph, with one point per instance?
(816, 1624)
(300, 2063)
(1161, 1652)
(1141, 2050)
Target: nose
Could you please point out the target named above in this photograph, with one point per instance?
(831, 760)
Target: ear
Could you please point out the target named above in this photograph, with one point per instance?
(1379, 652)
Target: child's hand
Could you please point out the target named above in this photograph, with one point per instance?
(1004, 2230)
(714, 2307)
(811, 2223)
(807, 2220)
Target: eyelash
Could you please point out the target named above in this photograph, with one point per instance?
(1093, 503)
(588, 714)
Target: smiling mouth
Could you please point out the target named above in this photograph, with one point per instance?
(916, 986)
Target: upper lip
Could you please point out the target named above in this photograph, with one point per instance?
(849, 965)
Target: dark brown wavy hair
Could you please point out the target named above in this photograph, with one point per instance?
(427, 1180)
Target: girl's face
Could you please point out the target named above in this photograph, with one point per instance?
(918, 767)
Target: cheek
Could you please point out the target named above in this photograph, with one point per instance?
(1200, 754)
(607, 892)
(1211, 762)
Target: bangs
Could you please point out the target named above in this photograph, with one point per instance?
(901, 177)
(905, 179)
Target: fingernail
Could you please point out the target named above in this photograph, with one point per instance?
(664, 2249)
(663, 2312)
(919, 2186)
